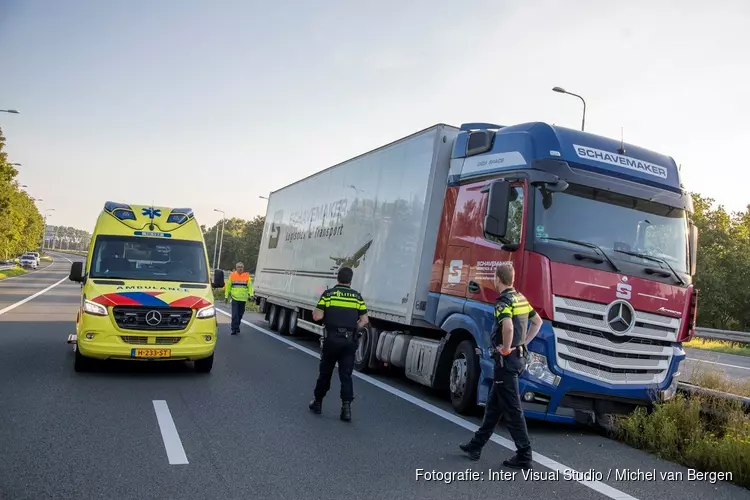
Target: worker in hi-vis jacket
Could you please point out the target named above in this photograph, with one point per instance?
(240, 288)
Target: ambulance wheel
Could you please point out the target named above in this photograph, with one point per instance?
(273, 317)
(82, 363)
(204, 365)
(284, 321)
(464, 376)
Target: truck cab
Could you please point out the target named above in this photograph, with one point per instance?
(146, 292)
(600, 236)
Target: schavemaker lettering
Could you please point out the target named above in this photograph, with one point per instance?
(621, 161)
(333, 210)
(490, 265)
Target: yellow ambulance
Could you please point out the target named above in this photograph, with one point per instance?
(146, 289)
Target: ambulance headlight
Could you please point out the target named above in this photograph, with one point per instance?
(206, 312)
(94, 308)
(536, 367)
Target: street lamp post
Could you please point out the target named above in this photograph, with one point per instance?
(563, 91)
(12, 111)
(221, 243)
(44, 234)
(263, 198)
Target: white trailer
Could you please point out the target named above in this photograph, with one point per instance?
(378, 213)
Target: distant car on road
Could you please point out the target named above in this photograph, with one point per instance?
(28, 260)
(37, 256)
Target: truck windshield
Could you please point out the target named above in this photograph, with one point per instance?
(614, 222)
(154, 259)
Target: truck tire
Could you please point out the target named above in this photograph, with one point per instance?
(365, 351)
(464, 376)
(273, 317)
(284, 321)
(293, 316)
(204, 365)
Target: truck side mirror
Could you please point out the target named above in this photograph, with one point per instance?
(218, 279)
(76, 272)
(498, 205)
(693, 238)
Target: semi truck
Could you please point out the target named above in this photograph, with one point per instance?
(599, 233)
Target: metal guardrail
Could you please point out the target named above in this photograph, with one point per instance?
(723, 335)
(5, 267)
(695, 390)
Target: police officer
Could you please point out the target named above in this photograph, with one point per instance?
(240, 288)
(343, 313)
(509, 339)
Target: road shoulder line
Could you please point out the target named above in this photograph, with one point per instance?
(170, 436)
(597, 486)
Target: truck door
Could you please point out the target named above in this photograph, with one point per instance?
(488, 253)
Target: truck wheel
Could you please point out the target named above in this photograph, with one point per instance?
(273, 317)
(463, 377)
(293, 316)
(284, 321)
(263, 307)
(204, 365)
(365, 351)
(82, 363)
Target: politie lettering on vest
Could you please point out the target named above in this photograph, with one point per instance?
(240, 288)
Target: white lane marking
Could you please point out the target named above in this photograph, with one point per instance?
(597, 486)
(719, 364)
(28, 273)
(37, 294)
(31, 297)
(172, 443)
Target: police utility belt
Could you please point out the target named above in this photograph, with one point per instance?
(517, 351)
(342, 333)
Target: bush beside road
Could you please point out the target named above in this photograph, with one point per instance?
(11, 273)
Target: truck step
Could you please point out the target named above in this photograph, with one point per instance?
(72, 339)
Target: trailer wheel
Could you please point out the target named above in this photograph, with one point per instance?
(263, 307)
(463, 377)
(365, 351)
(293, 316)
(284, 320)
(273, 317)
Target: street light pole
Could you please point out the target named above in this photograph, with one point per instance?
(563, 91)
(44, 234)
(217, 264)
(12, 111)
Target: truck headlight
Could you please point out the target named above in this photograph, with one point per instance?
(206, 312)
(94, 308)
(536, 367)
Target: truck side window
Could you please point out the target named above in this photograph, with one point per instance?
(515, 218)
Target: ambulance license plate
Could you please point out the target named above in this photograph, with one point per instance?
(151, 353)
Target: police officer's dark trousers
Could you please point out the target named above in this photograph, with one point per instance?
(337, 347)
(238, 310)
(504, 400)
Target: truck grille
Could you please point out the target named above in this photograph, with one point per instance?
(585, 344)
(145, 318)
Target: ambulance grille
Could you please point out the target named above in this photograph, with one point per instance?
(152, 318)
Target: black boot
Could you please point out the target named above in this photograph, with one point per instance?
(346, 411)
(521, 460)
(316, 406)
(473, 452)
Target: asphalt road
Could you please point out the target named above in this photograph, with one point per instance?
(733, 366)
(160, 430)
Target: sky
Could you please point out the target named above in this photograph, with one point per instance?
(211, 104)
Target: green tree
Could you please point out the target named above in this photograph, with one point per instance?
(21, 224)
(241, 242)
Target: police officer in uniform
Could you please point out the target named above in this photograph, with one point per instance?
(509, 340)
(343, 313)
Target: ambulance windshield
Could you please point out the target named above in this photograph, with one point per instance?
(150, 259)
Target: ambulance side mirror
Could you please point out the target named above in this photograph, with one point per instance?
(218, 279)
(76, 272)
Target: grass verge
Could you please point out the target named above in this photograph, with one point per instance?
(699, 432)
(719, 346)
(10, 273)
(716, 380)
(704, 433)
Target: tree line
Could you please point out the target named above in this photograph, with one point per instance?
(66, 238)
(21, 223)
(241, 242)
